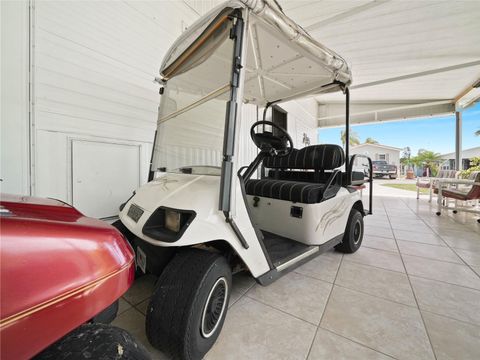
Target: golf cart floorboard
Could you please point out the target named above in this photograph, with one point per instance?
(281, 249)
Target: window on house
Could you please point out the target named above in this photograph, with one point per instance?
(279, 117)
(382, 157)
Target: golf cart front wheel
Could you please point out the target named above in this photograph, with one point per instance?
(353, 236)
(95, 341)
(189, 304)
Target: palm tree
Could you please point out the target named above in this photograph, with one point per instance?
(427, 158)
(370, 140)
(477, 133)
(354, 139)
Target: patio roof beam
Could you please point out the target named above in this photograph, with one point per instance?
(468, 96)
(346, 14)
(416, 75)
(332, 114)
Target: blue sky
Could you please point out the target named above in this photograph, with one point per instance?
(436, 134)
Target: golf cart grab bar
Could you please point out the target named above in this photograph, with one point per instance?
(336, 175)
(357, 182)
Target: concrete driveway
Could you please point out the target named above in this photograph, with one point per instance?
(380, 190)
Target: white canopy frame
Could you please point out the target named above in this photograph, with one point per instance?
(273, 77)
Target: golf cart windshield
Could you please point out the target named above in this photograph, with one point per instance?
(192, 112)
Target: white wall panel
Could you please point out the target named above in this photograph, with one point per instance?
(92, 70)
(14, 103)
(98, 188)
(94, 66)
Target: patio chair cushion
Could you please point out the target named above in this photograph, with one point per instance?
(473, 193)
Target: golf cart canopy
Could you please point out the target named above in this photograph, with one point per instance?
(283, 61)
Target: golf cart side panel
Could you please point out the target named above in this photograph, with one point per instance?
(330, 217)
(180, 191)
(59, 269)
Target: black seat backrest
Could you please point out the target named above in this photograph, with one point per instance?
(314, 157)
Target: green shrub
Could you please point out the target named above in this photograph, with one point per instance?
(474, 166)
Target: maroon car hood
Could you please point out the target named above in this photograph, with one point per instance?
(49, 249)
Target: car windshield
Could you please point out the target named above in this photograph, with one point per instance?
(192, 112)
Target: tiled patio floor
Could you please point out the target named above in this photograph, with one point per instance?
(411, 292)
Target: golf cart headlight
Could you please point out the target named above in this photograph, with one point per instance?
(172, 220)
(167, 224)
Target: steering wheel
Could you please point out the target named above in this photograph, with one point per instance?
(281, 145)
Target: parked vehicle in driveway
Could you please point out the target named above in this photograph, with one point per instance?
(62, 274)
(382, 168)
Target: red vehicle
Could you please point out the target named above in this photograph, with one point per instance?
(61, 276)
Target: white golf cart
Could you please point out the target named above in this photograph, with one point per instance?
(205, 215)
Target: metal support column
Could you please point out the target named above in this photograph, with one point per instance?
(458, 140)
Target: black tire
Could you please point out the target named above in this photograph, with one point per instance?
(95, 341)
(392, 177)
(107, 315)
(353, 236)
(174, 316)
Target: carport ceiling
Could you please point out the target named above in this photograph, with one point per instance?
(404, 55)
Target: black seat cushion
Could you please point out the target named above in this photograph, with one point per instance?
(314, 157)
(302, 192)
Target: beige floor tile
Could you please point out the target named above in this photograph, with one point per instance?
(296, 294)
(386, 284)
(328, 345)
(476, 269)
(377, 222)
(461, 234)
(428, 251)
(453, 339)
(470, 257)
(142, 307)
(378, 258)
(389, 327)
(414, 227)
(241, 283)
(462, 243)
(457, 274)
(323, 267)
(398, 223)
(141, 289)
(123, 306)
(253, 330)
(379, 243)
(418, 237)
(450, 300)
(134, 322)
(402, 215)
(378, 231)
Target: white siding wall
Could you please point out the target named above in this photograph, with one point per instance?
(93, 65)
(92, 70)
(302, 120)
(14, 105)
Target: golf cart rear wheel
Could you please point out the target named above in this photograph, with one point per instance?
(189, 304)
(352, 239)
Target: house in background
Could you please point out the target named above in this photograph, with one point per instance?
(379, 152)
(467, 155)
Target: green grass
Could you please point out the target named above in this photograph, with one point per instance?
(409, 187)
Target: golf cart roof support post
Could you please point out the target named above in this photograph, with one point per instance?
(151, 172)
(231, 115)
(347, 129)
